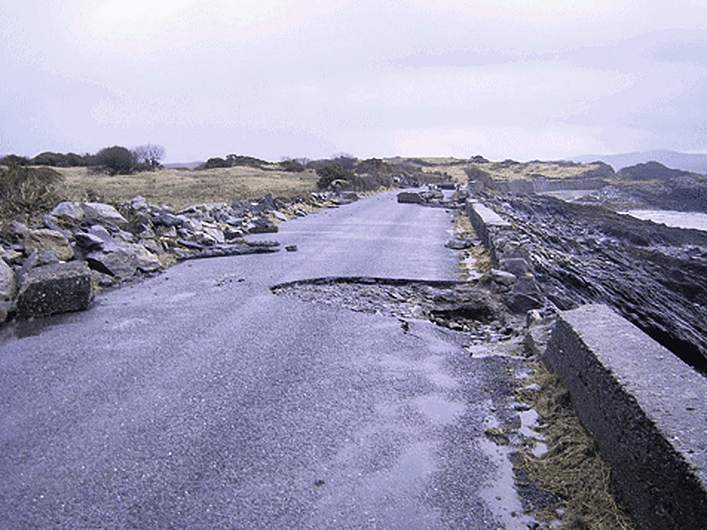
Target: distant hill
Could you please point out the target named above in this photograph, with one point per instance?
(695, 163)
(190, 165)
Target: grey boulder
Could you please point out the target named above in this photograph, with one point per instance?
(103, 213)
(45, 239)
(8, 281)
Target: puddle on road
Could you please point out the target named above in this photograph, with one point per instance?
(431, 367)
(180, 297)
(500, 492)
(529, 420)
(438, 410)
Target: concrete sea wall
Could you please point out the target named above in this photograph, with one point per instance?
(646, 410)
(645, 407)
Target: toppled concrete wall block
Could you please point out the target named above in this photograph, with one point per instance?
(410, 197)
(56, 288)
(646, 409)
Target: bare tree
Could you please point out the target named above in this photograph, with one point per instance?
(150, 155)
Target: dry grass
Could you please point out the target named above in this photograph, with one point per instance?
(572, 467)
(179, 188)
(504, 171)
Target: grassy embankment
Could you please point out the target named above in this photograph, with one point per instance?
(179, 189)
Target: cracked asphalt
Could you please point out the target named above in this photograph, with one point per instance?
(200, 399)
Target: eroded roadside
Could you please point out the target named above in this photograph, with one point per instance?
(530, 430)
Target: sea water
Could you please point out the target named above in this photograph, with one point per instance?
(695, 220)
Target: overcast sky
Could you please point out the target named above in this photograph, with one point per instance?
(519, 79)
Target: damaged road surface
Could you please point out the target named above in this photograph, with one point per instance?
(201, 399)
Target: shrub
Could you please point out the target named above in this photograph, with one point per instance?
(248, 161)
(331, 172)
(14, 160)
(215, 162)
(48, 159)
(292, 166)
(345, 160)
(28, 189)
(61, 160)
(116, 159)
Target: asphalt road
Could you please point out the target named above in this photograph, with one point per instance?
(199, 399)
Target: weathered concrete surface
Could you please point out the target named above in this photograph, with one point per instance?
(646, 409)
(485, 221)
(56, 288)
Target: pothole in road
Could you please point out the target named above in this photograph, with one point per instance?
(459, 306)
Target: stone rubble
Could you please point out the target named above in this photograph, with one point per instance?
(79, 248)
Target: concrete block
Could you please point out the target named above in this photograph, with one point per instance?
(411, 197)
(645, 407)
(57, 288)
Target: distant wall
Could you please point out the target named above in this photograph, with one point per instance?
(540, 184)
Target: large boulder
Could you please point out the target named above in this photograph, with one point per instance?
(123, 261)
(69, 212)
(8, 281)
(56, 288)
(45, 239)
(103, 213)
(119, 262)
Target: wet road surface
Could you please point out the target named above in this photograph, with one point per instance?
(199, 399)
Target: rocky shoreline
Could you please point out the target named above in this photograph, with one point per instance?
(653, 275)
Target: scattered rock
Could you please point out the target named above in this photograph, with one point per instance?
(261, 225)
(139, 203)
(11, 256)
(461, 243)
(147, 261)
(120, 262)
(504, 278)
(115, 247)
(38, 258)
